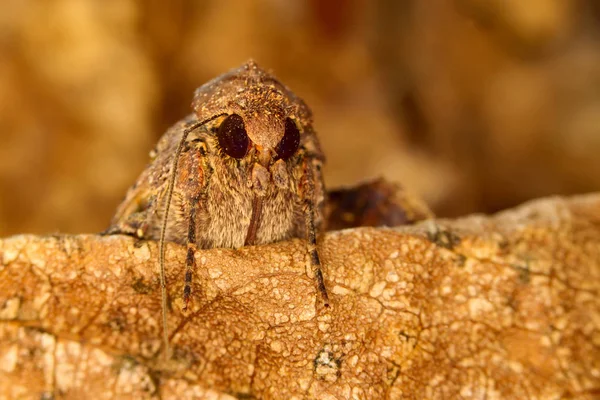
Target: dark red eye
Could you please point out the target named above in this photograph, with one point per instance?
(291, 139)
(232, 136)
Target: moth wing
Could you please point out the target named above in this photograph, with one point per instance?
(140, 214)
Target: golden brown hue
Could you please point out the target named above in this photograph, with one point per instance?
(505, 306)
(500, 98)
(505, 93)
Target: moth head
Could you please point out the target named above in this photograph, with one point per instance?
(236, 138)
(260, 113)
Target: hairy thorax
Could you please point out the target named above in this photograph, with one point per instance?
(226, 218)
(222, 189)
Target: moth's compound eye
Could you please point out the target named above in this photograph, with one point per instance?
(232, 136)
(291, 139)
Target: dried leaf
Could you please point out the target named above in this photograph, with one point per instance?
(482, 307)
(375, 203)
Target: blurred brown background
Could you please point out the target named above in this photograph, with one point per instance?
(475, 105)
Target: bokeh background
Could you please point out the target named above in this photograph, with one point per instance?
(475, 105)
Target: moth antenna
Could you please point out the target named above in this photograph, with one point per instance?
(163, 230)
(311, 236)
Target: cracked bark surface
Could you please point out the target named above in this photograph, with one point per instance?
(504, 306)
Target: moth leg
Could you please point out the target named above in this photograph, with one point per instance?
(190, 259)
(198, 188)
(163, 230)
(309, 205)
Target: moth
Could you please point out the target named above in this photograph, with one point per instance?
(243, 169)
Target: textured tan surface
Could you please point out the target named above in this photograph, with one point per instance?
(482, 307)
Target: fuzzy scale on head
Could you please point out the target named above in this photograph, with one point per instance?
(258, 97)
